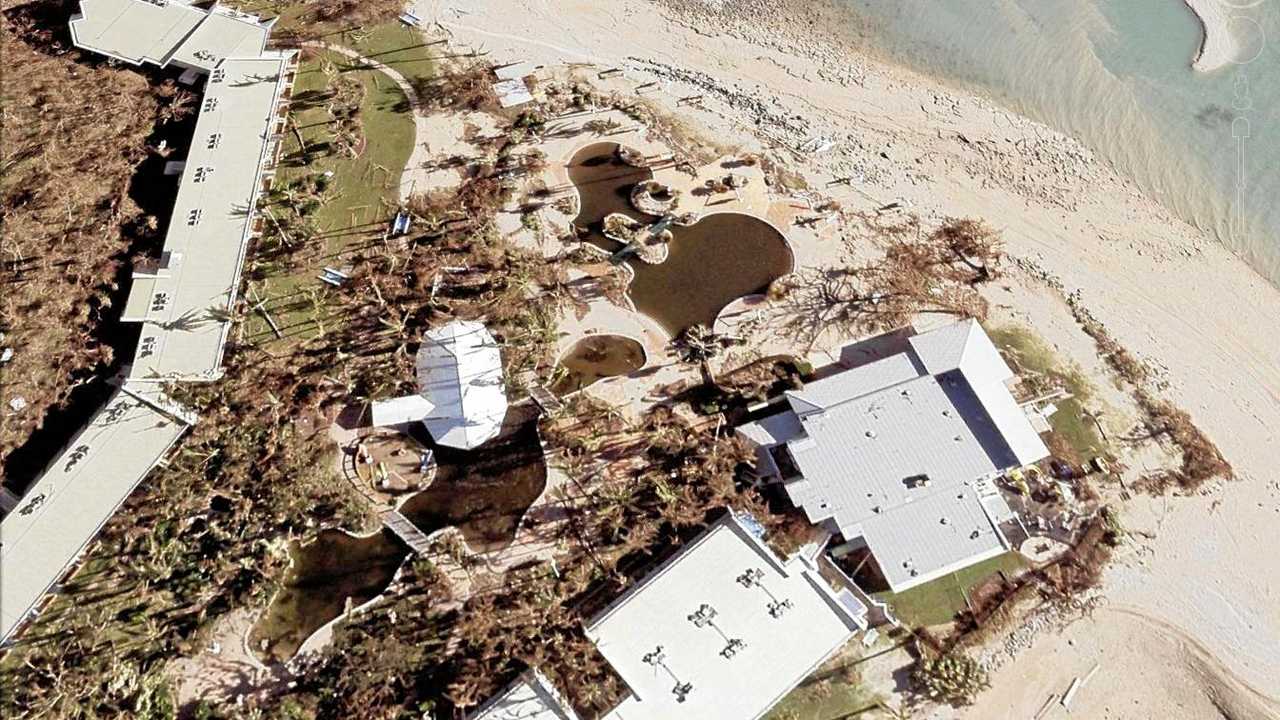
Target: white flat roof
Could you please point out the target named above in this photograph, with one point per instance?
(863, 456)
(932, 536)
(655, 638)
(138, 31)
(185, 312)
(65, 508)
(530, 697)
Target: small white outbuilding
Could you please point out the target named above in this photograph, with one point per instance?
(461, 397)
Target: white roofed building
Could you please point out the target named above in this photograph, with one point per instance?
(721, 631)
(461, 397)
(184, 299)
(901, 452)
(63, 510)
(530, 697)
(163, 32)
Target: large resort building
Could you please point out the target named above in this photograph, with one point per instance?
(183, 299)
(722, 630)
(901, 454)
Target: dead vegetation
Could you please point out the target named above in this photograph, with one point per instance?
(636, 490)
(467, 85)
(1201, 460)
(915, 272)
(75, 134)
(369, 12)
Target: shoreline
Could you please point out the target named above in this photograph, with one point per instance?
(1155, 281)
(1217, 47)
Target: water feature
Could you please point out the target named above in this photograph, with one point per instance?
(596, 357)
(711, 263)
(1117, 76)
(326, 572)
(483, 492)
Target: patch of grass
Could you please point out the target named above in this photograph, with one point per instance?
(362, 192)
(1042, 371)
(364, 188)
(397, 46)
(937, 602)
(834, 690)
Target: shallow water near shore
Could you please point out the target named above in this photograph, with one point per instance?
(1117, 76)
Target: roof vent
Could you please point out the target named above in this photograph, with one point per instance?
(974, 535)
(943, 521)
(871, 433)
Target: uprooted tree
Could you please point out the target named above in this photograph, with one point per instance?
(918, 271)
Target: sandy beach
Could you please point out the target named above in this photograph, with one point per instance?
(1202, 572)
(1218, 48)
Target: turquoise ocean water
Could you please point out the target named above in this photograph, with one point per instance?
(1116, 75)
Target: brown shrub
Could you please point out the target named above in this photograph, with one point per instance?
(75, 131)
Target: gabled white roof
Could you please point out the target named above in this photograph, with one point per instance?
(965, 346)
(460, 372)
(713, 574)
(62, 511)
(530, 697)
(461, 397)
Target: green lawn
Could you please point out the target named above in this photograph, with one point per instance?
(363, 191)
(1070, 423)
(365, 188)
(937, 602)
(395, 45)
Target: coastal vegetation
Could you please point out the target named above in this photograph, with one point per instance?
(212, 531)
(1201, 460)
(81, 197)
(914, 271)
(206, 533)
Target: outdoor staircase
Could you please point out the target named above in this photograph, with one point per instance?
(407, 531)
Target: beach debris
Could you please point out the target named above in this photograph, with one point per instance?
(18, 403)
(6, 355)
(1076, 684)
(611, 72)
(1044, 709)
(400, 225)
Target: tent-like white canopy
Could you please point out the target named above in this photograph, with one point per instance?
(461, 398)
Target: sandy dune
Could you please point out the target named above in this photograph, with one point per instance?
(1218, 48)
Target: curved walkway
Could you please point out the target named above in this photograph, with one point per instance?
(413, 167)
